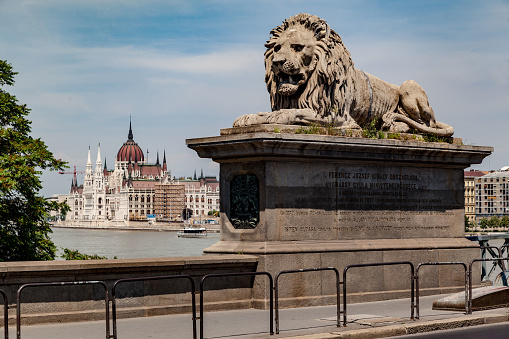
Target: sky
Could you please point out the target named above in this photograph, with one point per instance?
(186, 69)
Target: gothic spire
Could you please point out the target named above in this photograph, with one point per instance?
(88, 159)
(98, 154)
(157, 161)
(130, 135)
(164, 162)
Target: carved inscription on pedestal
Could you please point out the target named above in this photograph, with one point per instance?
(372, 202)
(244, 201)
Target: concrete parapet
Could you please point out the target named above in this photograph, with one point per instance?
(140, 298)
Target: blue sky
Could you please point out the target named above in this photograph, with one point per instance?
(186, 69)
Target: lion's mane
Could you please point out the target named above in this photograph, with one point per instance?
(332, 80)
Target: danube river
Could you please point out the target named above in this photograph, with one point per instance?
(129, 244)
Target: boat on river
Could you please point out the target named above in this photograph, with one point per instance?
(191, 232)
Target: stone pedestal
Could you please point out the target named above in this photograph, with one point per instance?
(304, 201)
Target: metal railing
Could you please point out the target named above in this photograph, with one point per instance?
(502, 249)
(237, 275)
(470, 280)
(64, 283)
(6, 314)
(484, 272)
(381, 264)
(166, 277)
(276, 291)
(416, 277)
(273, 289)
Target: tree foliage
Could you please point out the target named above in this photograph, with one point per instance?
(484, 223)
(468, 224)
(70, 254)
(23, 212)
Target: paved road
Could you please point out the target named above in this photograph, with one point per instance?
(495, 331)
(250, 323)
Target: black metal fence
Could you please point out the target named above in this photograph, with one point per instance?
(276, 290)
(470, 280)
(166, 277)
(417, 304)
(6, 314)
(273, 289)
(63, 283)
(238, 274)
(381, 264)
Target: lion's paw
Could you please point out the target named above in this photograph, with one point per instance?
(248, 120)
(281, 117)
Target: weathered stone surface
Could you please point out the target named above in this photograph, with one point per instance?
(332, 188)
(311, 79)
(482, 298)
(140, 298)
(336, 201)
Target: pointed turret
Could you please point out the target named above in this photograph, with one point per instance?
(130, 136)
(157, 159)
(201, 175)
(105, 167)
(194, 176)
(88, 172)
(88, 160)
(98, 162)
(165, 169)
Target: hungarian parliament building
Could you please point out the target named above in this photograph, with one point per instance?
(136, 190)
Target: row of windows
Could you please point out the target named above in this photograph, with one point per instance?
(492, 180)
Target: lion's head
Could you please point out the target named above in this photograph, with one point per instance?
(306, 65)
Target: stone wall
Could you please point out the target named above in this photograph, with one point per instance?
(134, 299)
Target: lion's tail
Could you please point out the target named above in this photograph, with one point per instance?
(442, 129)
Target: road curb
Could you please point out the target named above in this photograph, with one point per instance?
(404, 329)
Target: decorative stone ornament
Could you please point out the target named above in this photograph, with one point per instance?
(244, 201)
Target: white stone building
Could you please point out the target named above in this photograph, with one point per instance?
(202, 194)
(492, 194)
(116, 196)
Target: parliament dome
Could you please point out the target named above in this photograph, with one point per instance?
(130, 151)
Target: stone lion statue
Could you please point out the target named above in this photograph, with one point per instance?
(311, 79)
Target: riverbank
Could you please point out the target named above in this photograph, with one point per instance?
(136, 226)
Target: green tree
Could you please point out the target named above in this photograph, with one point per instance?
(70, 254)
(484, 223)
(494, 222)
(24, 225)
(468, 224)
(504, 221)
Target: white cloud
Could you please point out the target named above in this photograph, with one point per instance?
(82, 83)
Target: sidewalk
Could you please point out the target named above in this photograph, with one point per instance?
(366, 320)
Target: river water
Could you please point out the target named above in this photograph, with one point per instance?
(129, 244)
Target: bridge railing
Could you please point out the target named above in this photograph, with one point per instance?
(167, 277)
(63, 283)
(417, 304)
(276, 291)
(238, 274)
(470, 280)
(380, 264)
(273, 289)
(6, 314)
